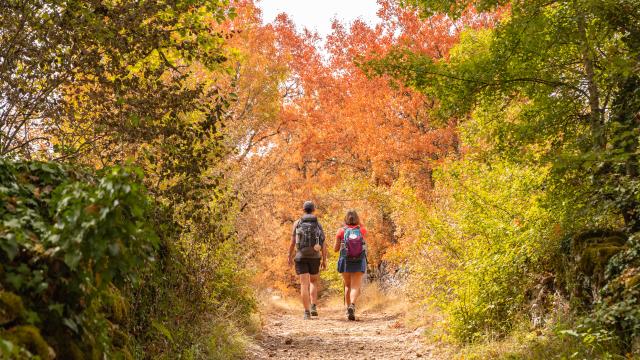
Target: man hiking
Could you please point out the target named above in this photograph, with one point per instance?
(308, 252)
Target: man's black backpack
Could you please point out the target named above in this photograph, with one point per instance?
(307, 237)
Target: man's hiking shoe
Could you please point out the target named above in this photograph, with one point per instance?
(314, 310)
(307, 315)
(351, 312)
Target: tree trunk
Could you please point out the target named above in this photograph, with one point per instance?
(596, 115)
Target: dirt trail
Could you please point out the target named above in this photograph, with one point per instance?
(376, 334)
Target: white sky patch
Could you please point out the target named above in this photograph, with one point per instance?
(317, 15)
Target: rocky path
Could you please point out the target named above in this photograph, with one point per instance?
(375, 335)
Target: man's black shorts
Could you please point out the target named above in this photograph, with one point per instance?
(307, 266)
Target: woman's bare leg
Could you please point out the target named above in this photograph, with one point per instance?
(347, 286)
(356, 284)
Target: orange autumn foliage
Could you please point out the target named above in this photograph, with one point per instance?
(330, 127)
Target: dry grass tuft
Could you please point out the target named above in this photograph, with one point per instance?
(374, 299)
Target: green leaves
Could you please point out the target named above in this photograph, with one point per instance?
(452, 7)
(65, 238)
(493, 234)
(96, 224)
(67, 61)
(551, 88)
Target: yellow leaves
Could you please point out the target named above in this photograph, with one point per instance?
(473, 43)
(170, 182)
(152, 61)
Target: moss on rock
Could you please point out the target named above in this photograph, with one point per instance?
(588, 256)
(11, 307)
(592, 250)
(596, 254)
(28, 337)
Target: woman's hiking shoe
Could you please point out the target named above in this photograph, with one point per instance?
(314, 310)
(351, 312)
(307, 315)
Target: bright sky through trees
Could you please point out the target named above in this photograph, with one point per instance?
(317, 15)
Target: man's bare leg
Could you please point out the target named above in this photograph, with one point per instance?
(304, 291)
(314, 283)
(313, 290)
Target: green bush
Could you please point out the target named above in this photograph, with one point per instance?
(197, 285)
(68, 241)
(486, 241)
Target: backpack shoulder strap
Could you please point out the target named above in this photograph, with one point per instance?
(318, 232)
(344, 235)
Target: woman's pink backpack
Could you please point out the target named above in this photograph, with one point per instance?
(353, 243)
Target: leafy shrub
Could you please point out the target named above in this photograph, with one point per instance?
(331, 279)
(483, 245)
(197, 285)
(68, 242)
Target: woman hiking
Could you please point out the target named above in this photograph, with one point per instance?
(352, 263)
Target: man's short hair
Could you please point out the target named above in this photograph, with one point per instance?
(308, 207)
